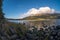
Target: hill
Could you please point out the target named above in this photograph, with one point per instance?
(45, 16)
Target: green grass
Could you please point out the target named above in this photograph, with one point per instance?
(16, 26)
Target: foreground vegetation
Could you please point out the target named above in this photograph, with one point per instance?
(15, 31)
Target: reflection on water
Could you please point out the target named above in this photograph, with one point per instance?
(41, 23)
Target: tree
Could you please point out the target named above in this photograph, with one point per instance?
(1, 15)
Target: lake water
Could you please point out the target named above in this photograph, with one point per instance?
(30, 23)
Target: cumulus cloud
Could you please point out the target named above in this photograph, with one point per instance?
(41, 10)
(46, 10)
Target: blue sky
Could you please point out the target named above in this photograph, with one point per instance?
(14, 8)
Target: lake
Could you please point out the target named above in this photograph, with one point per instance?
(38, 24)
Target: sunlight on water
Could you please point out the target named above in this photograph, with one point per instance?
(41, 22)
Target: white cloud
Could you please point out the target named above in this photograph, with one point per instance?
(46, 10)
(41, 10)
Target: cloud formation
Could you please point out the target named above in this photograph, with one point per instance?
(41, 10)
